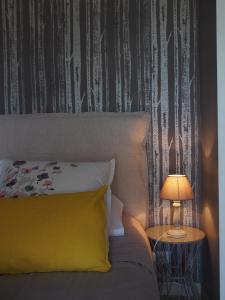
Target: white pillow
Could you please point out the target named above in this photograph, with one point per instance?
(116, 223)
(30, 178)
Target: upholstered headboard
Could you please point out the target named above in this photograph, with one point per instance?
(86, 137)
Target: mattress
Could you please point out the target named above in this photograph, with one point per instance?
(131, 277)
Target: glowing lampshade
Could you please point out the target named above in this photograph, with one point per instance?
(176, 188)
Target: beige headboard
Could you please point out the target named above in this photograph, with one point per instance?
(86, 137)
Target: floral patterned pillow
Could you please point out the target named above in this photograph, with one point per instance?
(30, 178)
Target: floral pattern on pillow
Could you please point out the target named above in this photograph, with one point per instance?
(23, 178)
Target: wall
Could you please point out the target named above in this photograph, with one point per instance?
(208, 103)
(122, 55)
(221, 135)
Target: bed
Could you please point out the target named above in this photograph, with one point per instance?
(90, 137)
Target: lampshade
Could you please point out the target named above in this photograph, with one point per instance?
(176, 188)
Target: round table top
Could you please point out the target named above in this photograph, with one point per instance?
(159, 232)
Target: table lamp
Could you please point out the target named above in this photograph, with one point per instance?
(176, 188)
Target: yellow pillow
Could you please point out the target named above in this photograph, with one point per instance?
(54, 233)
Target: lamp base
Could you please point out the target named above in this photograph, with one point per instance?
(176, 233)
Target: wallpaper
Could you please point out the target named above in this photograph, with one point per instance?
(110, 55)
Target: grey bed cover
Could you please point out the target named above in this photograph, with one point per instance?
(131, 277)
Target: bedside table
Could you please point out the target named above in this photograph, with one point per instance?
(175, 260)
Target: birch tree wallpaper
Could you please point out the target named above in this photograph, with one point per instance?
(110, 55)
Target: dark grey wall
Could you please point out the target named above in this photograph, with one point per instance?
(110, 55)
(208, 103)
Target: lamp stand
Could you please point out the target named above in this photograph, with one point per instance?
(176, 232)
